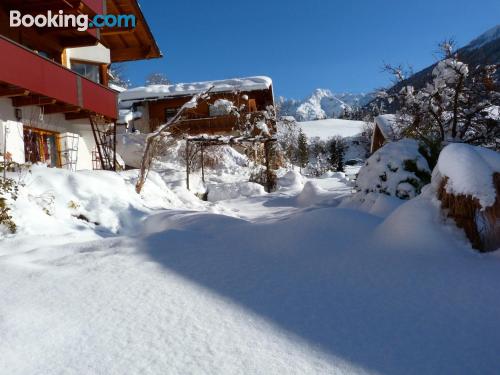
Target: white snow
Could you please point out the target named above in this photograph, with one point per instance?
(325, 129)
(219, 192)
(321, 104)
(385, 171)
(299, 281)
(180, 89)
(387, 123)
(470, 171)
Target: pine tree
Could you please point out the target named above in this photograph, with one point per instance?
(303, 151)
(337, 149)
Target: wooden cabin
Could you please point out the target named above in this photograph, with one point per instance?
(154, 105)
(383, 131)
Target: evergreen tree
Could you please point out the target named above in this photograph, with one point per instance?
(337, 149)
(303, 152)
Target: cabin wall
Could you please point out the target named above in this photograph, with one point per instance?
(378, 139)
(157, 109)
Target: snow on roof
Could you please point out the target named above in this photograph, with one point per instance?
(325, 129)
(386, 125)
(180, 89)
(470, 171)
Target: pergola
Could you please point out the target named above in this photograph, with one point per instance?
(205, 141)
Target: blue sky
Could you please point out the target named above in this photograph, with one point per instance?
(303, 45)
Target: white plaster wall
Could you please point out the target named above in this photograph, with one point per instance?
(12, 131)
(141, 124)
(96, 54)
(31, 116)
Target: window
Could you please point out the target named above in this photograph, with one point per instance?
(41, 146)
(170, 112)
(90, 71)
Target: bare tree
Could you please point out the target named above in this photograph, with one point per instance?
(153, 138)
(118, 75)
(456, 106)
(157, 79)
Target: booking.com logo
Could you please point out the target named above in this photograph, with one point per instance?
(81, 21)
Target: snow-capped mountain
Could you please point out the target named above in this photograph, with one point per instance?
(321, 104)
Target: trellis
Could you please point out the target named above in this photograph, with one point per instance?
(210, 141)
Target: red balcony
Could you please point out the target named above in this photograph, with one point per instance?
(31, 79)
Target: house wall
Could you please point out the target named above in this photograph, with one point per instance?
(93, 54)
(157, 109)
(31, 116)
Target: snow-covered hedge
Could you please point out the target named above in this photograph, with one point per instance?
(469, 170)
(398, 169)
(467, 181)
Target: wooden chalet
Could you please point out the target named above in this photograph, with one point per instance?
(145, 108)
(54, 91)
(383, 131)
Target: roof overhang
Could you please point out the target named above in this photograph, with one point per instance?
(132, 43)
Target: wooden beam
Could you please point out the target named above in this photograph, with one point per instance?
(106, 31)
(13, 91)
(21, 101)
(60, 108)
(77, 115)
(132, 53)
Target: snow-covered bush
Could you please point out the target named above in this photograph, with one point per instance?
(9, 190)
(398, 169)
(222, 107)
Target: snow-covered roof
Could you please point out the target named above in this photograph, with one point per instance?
(153, 92)
(386, 125)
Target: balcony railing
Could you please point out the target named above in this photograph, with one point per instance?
(218, 124)
(23, 68)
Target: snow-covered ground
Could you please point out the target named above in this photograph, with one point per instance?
(325, 129)
(300, 281)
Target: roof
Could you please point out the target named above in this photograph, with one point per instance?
(155, 92)
(127, 44)
(386, 124)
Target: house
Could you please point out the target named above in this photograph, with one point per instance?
(383, 131)
(145, 108)
(56, 106)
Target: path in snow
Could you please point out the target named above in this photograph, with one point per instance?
(283, 288)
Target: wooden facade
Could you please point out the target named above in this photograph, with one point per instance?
(378, 139)
(200, 120)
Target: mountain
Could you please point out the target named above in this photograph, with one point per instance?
(321, 104)
(484, 50)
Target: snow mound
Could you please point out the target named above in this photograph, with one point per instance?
(292, 180)
(470, 171)
(397, 169)
(380, 205)
(310, 195)
(131, 148)
(220, 192)
(55, 201)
